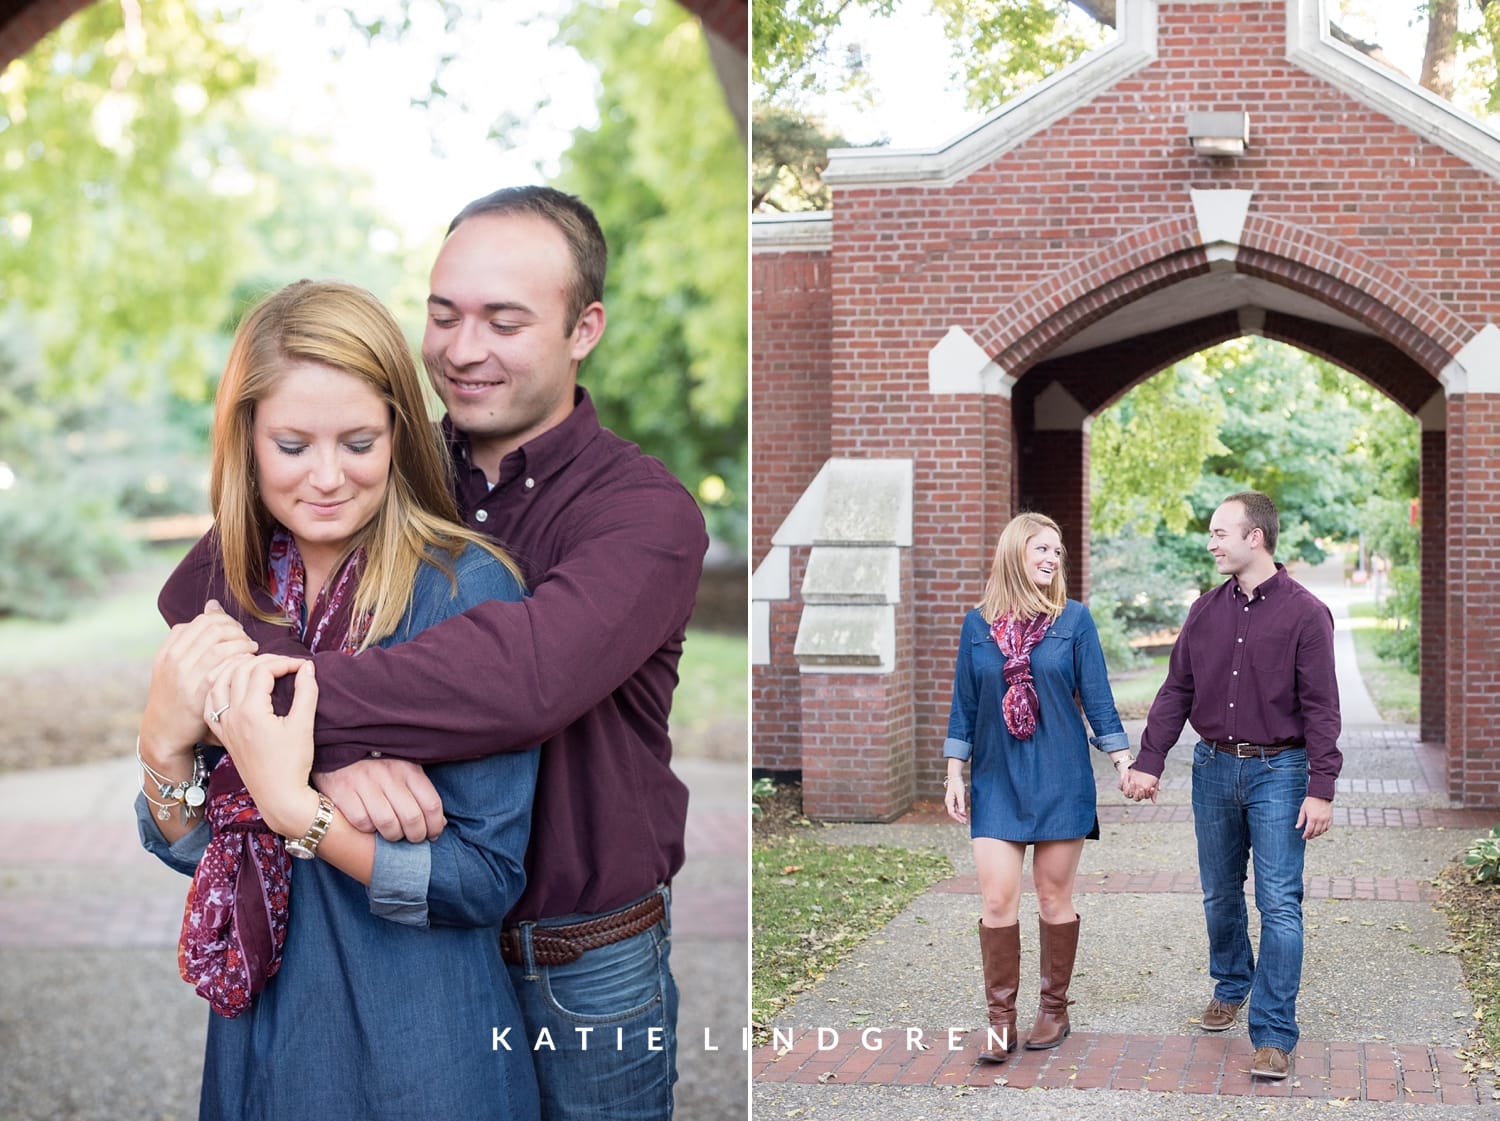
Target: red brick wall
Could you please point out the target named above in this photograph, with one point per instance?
(1473, 681)
(1094, 211)
(859, 761)
(776, 689)
(790, 432)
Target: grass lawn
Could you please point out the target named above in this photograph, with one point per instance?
(1396, 691)
(1135, 689)
(815, 902)
(121, 624)
(711, 707)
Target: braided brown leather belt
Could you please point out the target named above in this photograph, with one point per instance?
(558, 945)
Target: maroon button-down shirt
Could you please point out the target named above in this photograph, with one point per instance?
(612, 548)
(1257, 670)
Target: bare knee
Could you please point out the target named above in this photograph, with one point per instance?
(1058, 909)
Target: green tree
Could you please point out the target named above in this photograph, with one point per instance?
(118, 242)
(790, 154)
(1147, 451)
(665, 172)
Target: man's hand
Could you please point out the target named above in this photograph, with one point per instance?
(1315, 817)
(392, 797)
(1139, 786)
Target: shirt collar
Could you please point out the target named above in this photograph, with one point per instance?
(543, 456)
(1271, 583)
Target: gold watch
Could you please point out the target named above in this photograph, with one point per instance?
(305, 847)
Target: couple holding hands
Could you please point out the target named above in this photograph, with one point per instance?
(1252, 670)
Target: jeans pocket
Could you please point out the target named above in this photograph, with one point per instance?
(1203, 754)
(614, 983)
(1288, 762)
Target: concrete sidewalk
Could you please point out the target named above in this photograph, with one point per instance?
(95, 1024)
(1384, 1011)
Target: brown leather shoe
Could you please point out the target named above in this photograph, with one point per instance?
(1219, 1015)
(1272, 1063)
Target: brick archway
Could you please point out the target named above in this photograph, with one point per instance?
(966, 310)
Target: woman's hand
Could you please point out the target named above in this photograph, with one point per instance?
(953, 797)
(274, 754)
(180, 671)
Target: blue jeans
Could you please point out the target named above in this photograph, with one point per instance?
(611, 1017)
(1244, 808)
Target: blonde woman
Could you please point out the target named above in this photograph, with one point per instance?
(1027, 655)
(361, 981)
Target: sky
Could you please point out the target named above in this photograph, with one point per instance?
(425, 165)
(918, 105)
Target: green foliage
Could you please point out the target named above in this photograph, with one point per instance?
(1402, 644)
(1483, 858)
(119, 241)
(55, 546)
(665, 172)
(1396, 690)
(1011, 45)
(1250, 415)
(1147, 451)
(1385, 525)
(1119, 655)
(762, 787)
(814, 903)
(788, 156)
(1146, 581)
(789, 44)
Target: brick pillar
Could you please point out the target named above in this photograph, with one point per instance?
(858, 735)
(776, 684)
(1434, 514)
(1473, 609)
(1053, 469)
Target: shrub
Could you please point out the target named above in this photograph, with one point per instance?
(55, 544)
(762, 787)
(1483, 858)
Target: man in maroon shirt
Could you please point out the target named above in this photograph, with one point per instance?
(1253, 671)
(612, 548)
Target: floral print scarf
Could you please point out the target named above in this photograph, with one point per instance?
(235, 921)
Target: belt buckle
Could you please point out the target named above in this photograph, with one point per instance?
(1241, 752)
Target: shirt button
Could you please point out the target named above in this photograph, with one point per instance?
(1231, 704)
(1236, 673)
(1237, 640)
(377, 755)
(530, 483)
(481, 515)
(1247, 607)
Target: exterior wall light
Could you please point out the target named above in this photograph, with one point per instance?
(1219, 134)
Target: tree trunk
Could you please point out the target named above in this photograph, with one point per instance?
(1439, 63)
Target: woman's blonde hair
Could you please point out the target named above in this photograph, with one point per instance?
(346, 329)
(1010, 590)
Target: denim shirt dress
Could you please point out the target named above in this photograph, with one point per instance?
(389, 998)
(1042, 788)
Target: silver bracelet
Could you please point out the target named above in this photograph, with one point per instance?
(949, 779)
(188, 795)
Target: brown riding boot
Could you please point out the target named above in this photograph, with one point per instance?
(1000, 950)
(1059, 947)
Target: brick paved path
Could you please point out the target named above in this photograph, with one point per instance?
(1398, 811)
